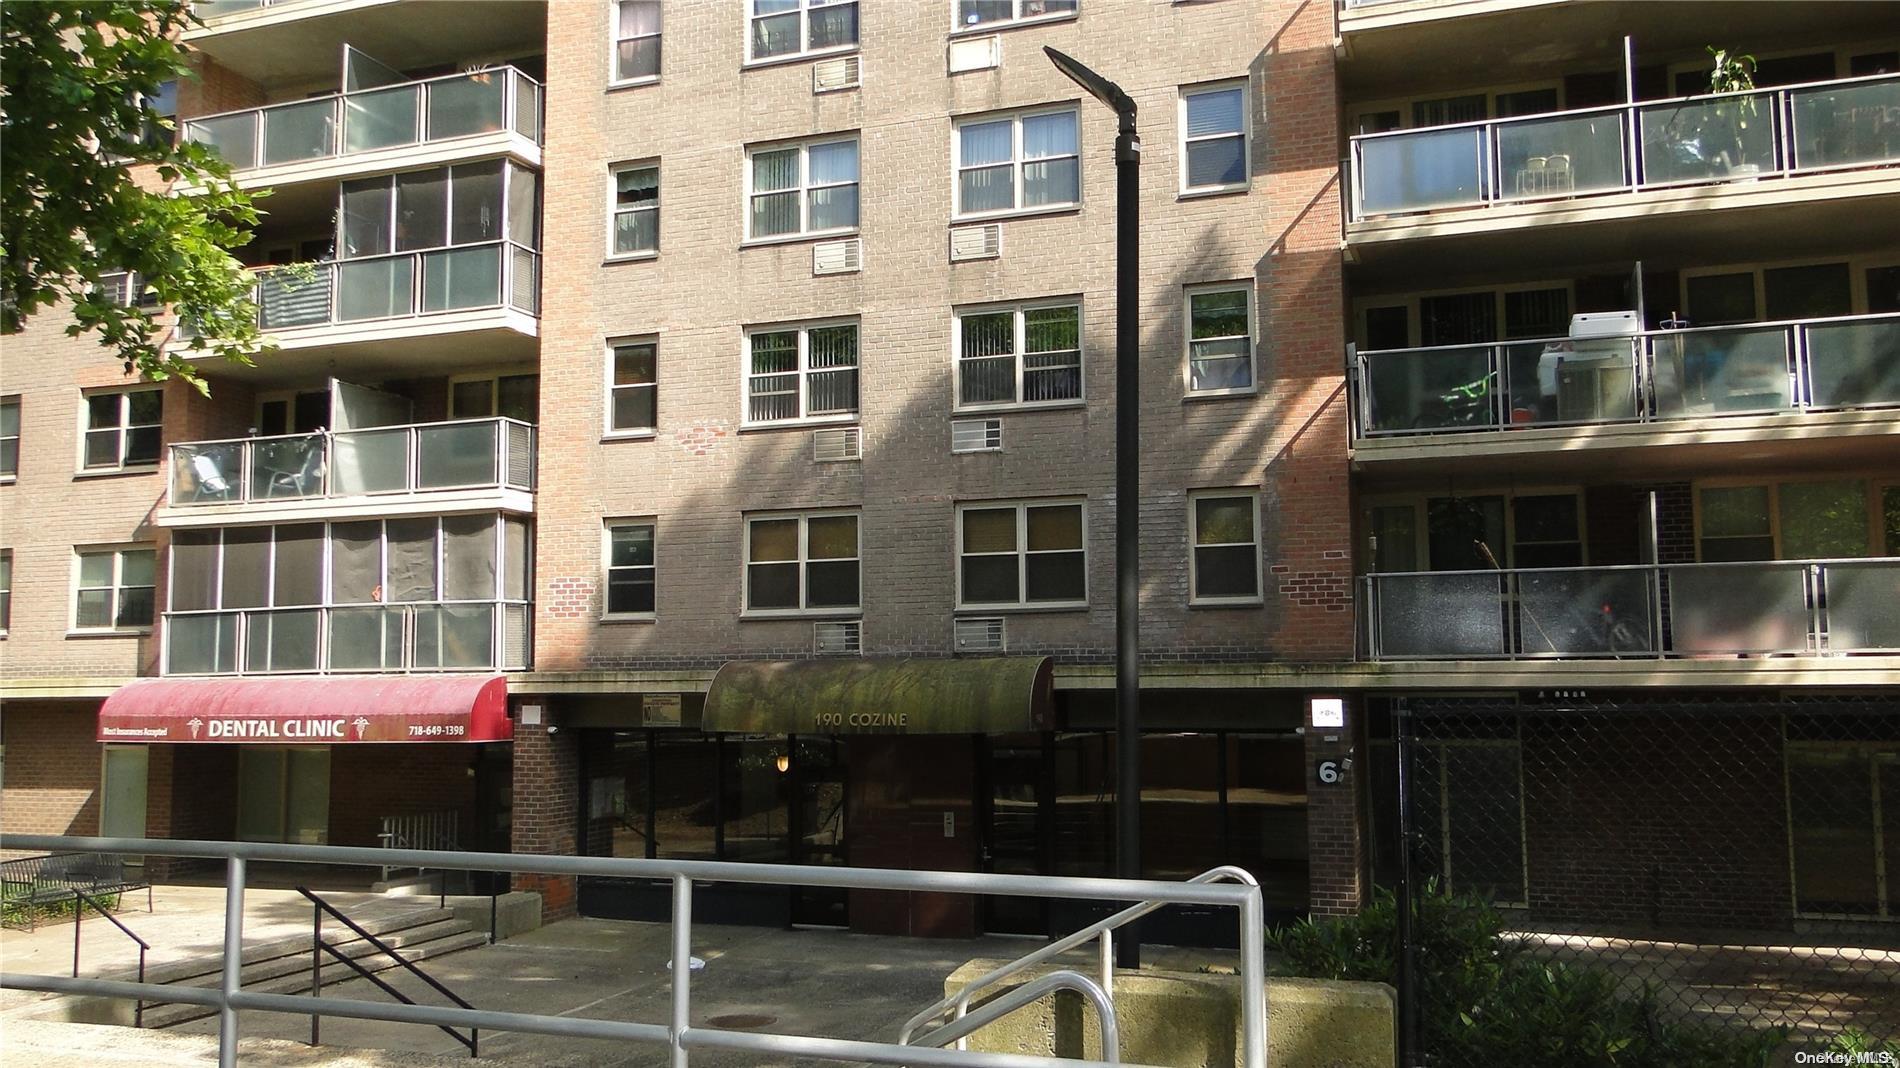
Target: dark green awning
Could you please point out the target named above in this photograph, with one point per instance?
(995, 695)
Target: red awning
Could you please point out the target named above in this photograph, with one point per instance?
(310, 710)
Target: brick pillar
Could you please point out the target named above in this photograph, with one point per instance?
(1334, 828)
(546, 807)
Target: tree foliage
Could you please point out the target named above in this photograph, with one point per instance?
(75, 119)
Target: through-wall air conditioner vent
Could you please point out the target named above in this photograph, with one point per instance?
(830, 446)
(975, 53)
(837, 257)
(831, 75)
(838, 639)
(976, 242)
(976, 435)
(979, 635)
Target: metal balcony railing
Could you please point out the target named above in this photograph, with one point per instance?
(1780, 607)
(464, 454)
(1622, 148)
(379, 638)
(365, 120)
(1749, 368)
(361, 289)
(211, 9)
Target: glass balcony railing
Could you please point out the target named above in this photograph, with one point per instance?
(382, 638)
(1626, 148)
(344, 124)
(469, 454)
(1781, 607)
(496, 274)
(1799, 365)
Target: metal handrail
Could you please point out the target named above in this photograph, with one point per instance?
(678, 1034)
(319, 946)
(1028, 994)
(80, 897)
(1696, 565)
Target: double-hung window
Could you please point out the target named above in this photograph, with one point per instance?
(115, 588)
(802, 563)
(1023, 162)
(9, 437)
(1025, 354)
(1022, 555)
(802, 372)
(1214, 138)
(782, 29)
(633, 401)
(972, 14)
(6, 590)
(636, 210)
(803, 189)
(630, 568)
(1220, 339)
(122, 428)
(1224, 563)
(637, 41)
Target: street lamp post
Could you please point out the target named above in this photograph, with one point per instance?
(1127, 483)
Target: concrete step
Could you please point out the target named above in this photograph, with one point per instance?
(379, 920)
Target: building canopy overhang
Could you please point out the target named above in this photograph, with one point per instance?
(325, 710)
(995, 695)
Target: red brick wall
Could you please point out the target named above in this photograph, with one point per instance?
(546, 810)
(51, 783)
(368, 782)
(1335, 846)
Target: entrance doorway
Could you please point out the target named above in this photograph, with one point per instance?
(284, 794)
(122, 808)
(818, 814)
(1017, 801)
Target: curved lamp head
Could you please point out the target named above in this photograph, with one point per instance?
(1098, 87)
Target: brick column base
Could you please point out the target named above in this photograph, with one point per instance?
(1335, 846)
(546, 808)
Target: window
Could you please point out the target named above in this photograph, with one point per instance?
(801, 563)
(633, 392)
(637, 41)
(783, 29)
(1225, 564)
(116, 589)
(1546, 531)
(6, 590)
(507, 396)
(797, 190)
(1220, 339)
(1785, 521)
(1214, 139)
(630, 569)
(122, 429)
(1019, 355)
(127, 289)
(636, 210)
(977, 13)
(9, 437)
(807, 372)
(1017, 163)
(161, 117)
(1844, 845)
(1024, 555)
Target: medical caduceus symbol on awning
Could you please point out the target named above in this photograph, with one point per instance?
(195, 724)
(361, 725)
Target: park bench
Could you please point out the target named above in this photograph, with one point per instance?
(27, 884)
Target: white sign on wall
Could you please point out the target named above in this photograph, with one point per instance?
(1329, 711)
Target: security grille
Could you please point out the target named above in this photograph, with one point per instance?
(979, 635)
(976, 242)
(831, 446)
(838, 639)
(976, 435)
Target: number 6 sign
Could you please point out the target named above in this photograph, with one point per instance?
(1329, 771)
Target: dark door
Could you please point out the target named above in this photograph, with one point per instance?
(818, 814)
(1016, 828)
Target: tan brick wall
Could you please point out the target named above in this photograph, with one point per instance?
(700, 473)
(51, 780)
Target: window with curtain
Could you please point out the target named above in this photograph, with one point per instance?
(803, 189)
(1220, 339)
(782, 29)
(1225, 559)
(803, 562)
(1017, 163)
(975, 14)
(636, 210)
(636, 40)
(805, 372)
(1025, 354)
(1021, 554)
(1214, 139)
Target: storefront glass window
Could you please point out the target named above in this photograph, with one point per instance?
(1085, 804)
(685, 805)
(755, 812)
(1180, 805)
(1266, 814)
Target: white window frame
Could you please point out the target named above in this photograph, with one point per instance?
(118, 587)
(6, 591)
(15, 402)
(613, 48)
(1016, 161)
(805, 50)
(803, 371)
(125, 425)
(1016, 19)
(1187, 340)
(1018, 312)
(615, 211)
(804, 188)
(609, 388)
(1194, 497)
(1245, 133)
(1022, 554)
(607, 568)
(804, 562)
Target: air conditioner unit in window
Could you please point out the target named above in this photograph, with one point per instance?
(838, 639)
(979, 635)
(837, 257)
(976, 435)
(831, 446)
(975, 53)
(976, 242)
(831, 75)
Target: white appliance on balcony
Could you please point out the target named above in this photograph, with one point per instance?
(1593, 374)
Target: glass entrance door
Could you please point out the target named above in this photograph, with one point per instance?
(818, 814)
(284, 794)
(1015, 840)
(123, 812)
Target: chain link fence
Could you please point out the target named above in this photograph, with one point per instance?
(1719, 878)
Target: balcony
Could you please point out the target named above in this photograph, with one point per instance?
(1777, 608)
(385, 470)
(436, 120)
(438, 636)
(1764, 146)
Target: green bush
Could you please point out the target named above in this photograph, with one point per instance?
(1485, 999)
